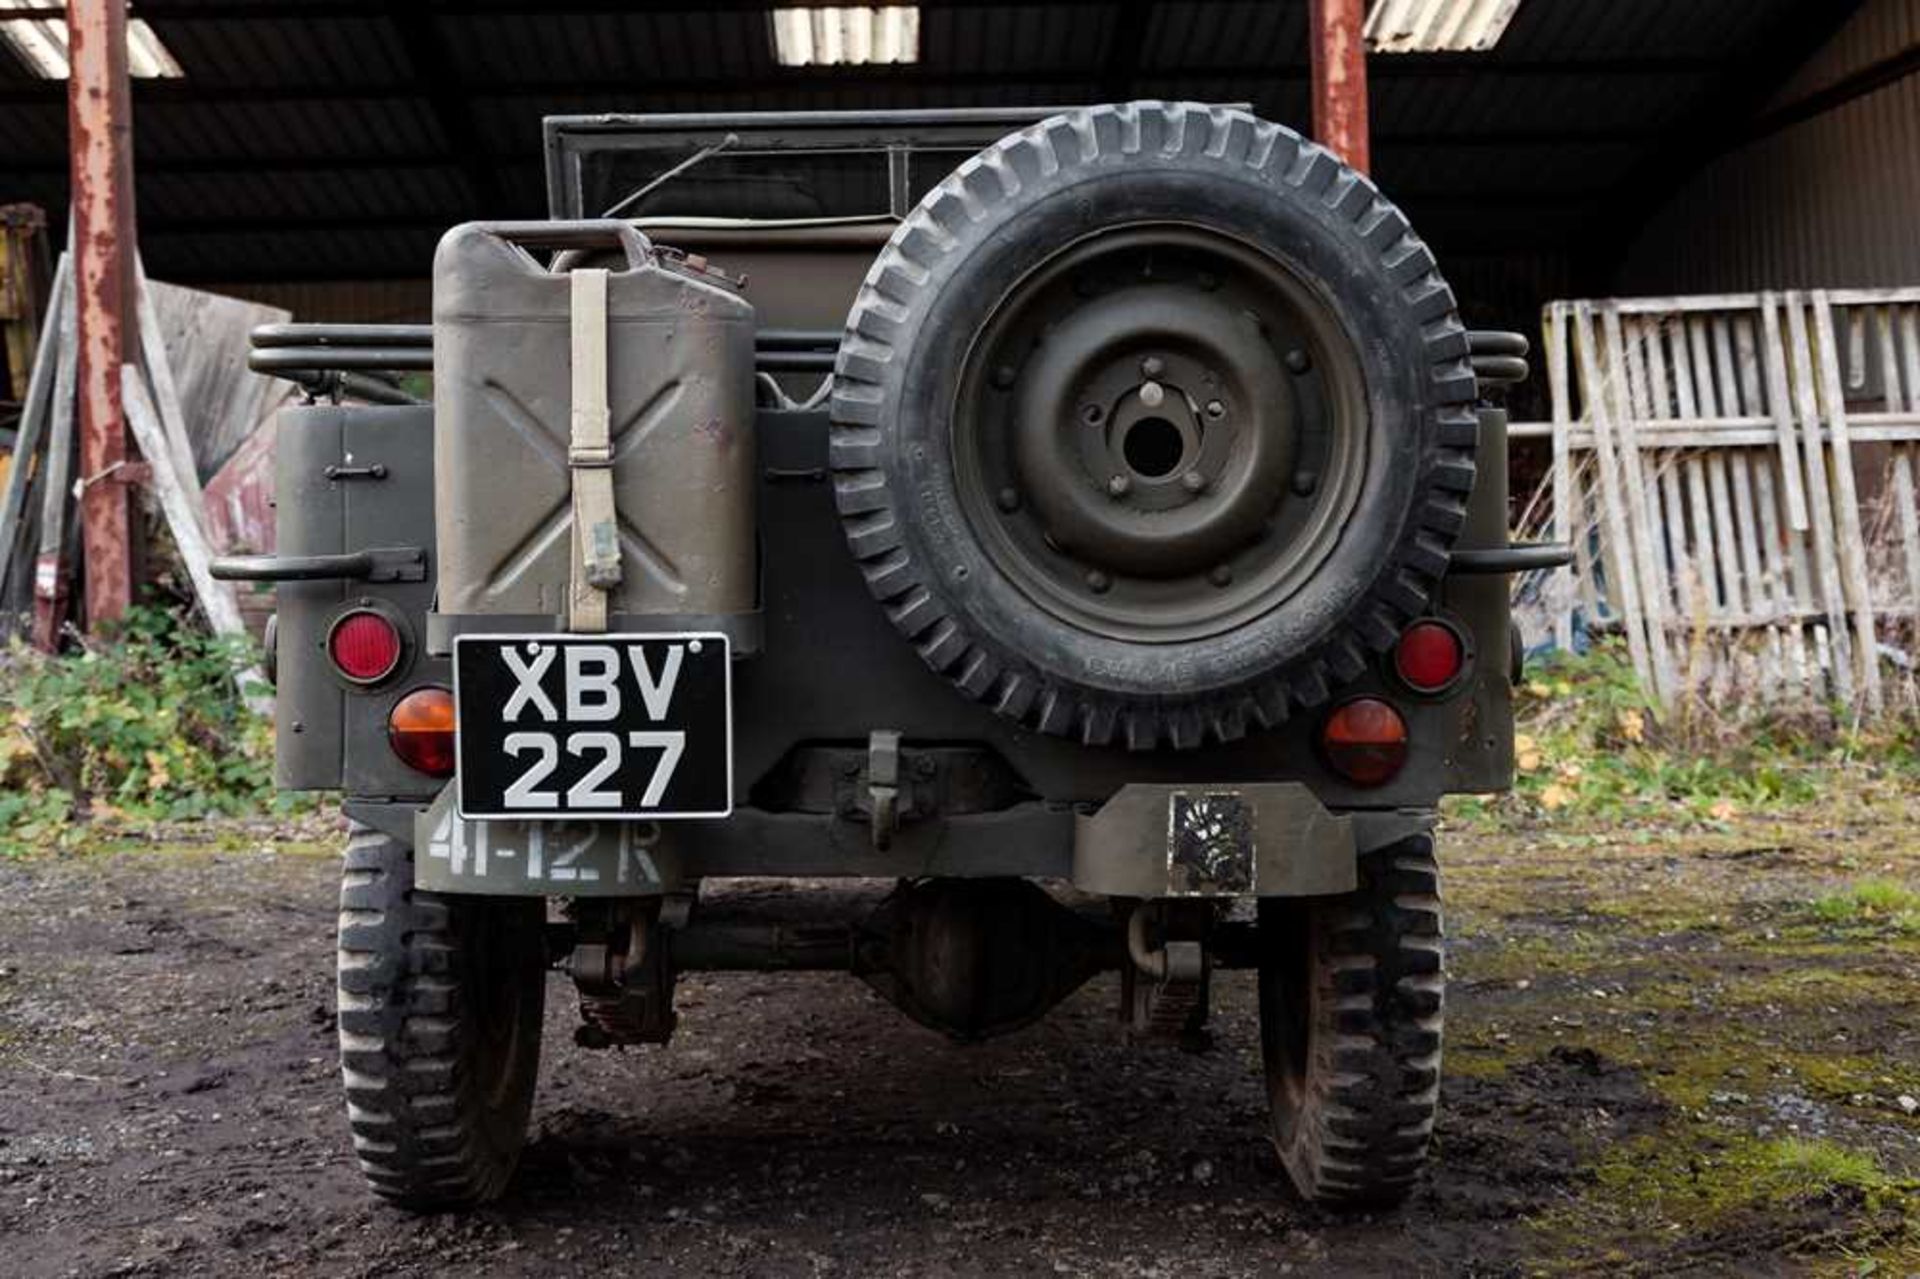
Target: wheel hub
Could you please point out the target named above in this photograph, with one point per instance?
(1154, 431)
(1141, 412)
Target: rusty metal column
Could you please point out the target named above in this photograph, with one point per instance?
(100, 132)
(1338, 43)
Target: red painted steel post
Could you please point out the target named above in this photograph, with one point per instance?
(1336, 36)
(100, 125)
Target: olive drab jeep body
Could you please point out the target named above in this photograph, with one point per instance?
(1080, 535)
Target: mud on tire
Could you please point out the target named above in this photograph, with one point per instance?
(1351, 1007)
(440, 1001)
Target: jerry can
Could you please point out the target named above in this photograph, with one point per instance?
(680, 400)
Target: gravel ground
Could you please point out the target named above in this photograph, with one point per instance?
(169, 1105)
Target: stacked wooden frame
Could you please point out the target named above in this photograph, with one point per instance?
(1736, 474)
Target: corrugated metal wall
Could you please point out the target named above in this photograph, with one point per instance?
(1831, 201)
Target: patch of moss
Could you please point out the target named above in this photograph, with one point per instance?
(1791, 1194)
(1873, 904)
(1695, 1182)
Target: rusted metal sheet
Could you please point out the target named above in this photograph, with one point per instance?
(100, 128)
(240, 515)
(1340, 79)
(239, 510)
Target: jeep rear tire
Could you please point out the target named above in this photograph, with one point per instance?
(1351, 1004)
(440, 1011)
(1152, 422)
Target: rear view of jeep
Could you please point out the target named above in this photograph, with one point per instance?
(1070, 542)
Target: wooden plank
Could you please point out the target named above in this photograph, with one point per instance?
(1685, 303)
(1644, 343)
(1692, 303)
(1856, 371)
(1670, 533)
(1820, 505)
(1736, 432)
(36, 409)
(1733, 401)
(1698, 302)
(1906, 507)
(63, 442)
(1727, 534)
(1873, 297)
(1779, 587)
(1584, 478)
(1849, 533)
(1705, 570)
(1706, 391)
(1891, 427)
(1617, 547)
(1687, 405)
(1906, 501)
(1868, 428)
(1889, 358)
(1823, 655)
(1779, 404)
(1759, 591)
(185, 522)
(1683, 601)
(1910, 354)
(1554, 329)
(1750, 366)
(165, 397)
(1680, 359)
(1628, 398)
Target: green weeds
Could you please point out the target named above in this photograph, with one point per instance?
(1872, 905)
(1591, 743)
(146, 726)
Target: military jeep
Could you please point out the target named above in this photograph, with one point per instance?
(1070, 541)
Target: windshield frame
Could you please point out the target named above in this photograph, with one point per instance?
(573, 141)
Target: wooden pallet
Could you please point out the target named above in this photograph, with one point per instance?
(1710, 456)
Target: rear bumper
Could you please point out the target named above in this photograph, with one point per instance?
(1271, 839)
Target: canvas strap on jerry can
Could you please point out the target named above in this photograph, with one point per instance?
(595, 562)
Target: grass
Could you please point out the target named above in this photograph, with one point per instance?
(1725, 911)
(1878, 904)
(1702, 1187)
(1591, 743)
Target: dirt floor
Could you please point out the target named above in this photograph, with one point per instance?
(1669, 1052)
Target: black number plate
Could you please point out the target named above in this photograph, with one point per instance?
(585, 726)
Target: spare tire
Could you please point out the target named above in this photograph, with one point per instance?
(1151, 422)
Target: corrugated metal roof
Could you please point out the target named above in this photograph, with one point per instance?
(328, 137)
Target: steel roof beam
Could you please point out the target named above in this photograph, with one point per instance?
(377, 161)
(1399, 67)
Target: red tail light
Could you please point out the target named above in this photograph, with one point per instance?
(365, 647)
(420, 730)
(1365, 741)
(1430, 656)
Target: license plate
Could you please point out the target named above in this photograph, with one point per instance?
(593, 726)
